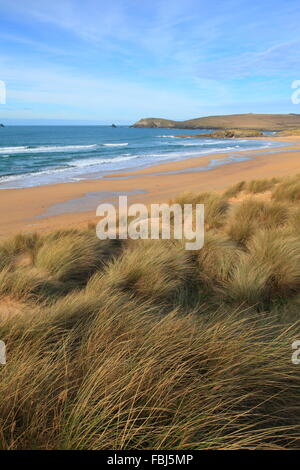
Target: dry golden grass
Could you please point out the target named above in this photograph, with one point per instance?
(216, 260)
(235, 189)
(260, 186)
(144, 345)
(216, 206)
(147, 269)
(251, 187)
(74, 257)
(252, 214)
(288, 190)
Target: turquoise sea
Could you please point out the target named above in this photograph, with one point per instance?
(39, 155)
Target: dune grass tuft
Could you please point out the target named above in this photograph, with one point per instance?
(251, 214)
(215, 206)
(74, 257)
(260, 186)
(288, 190)
(148, 269)
(234, 190)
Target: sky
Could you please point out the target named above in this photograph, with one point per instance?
(100, 61)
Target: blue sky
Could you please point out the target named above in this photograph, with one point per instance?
(100, 62)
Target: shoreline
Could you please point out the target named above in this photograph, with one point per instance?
(22, 209)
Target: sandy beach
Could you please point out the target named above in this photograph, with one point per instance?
(27, 209)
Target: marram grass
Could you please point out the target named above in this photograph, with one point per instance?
(144, 345)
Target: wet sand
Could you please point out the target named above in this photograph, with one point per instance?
(45, 207)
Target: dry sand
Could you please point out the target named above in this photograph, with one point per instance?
(20, 208)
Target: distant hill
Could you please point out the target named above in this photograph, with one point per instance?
(267, 122)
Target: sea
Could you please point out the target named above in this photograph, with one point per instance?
(41, 155)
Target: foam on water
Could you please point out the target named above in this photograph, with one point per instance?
(102, 161)
(116, 145)
(46, 149)
(39, 155)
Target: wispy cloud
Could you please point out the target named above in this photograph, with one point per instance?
(75, 92)
(137, 58)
